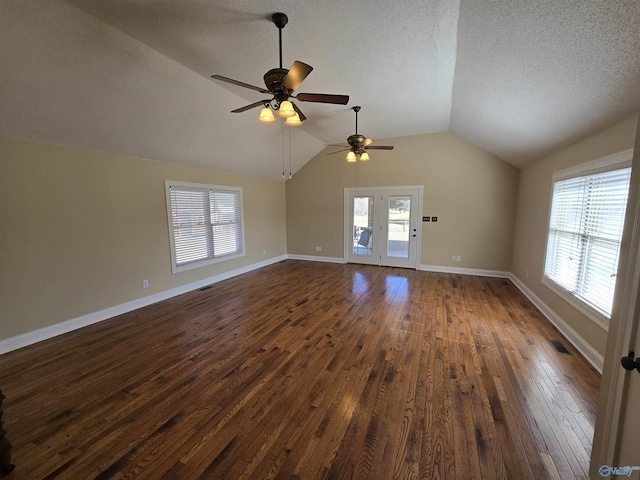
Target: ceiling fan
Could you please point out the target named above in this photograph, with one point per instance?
(359, 144)
(280, 84)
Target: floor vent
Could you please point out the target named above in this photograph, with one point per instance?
(206, 288)
(557, 344)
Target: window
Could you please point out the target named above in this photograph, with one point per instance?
(205, 224)
(585, 230)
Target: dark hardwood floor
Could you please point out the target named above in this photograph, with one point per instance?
(308, 370)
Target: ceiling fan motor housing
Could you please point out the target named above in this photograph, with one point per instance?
(273, 80)
(356, 140)
(357, 143)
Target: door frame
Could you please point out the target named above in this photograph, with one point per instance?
(623, 330)
(348, 242)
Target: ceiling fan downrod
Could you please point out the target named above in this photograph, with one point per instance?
(280, 20)
(356, 109)
(356, 141)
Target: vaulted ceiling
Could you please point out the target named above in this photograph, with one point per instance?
(517, 78)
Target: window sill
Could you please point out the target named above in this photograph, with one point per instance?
(593, 315)
(204, 263)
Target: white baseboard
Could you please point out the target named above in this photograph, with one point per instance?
(465, 271)
(587, 351)
(312, 258)
(41, 334)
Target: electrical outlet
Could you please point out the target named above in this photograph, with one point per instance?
(318, 249)
(526, 274)
(264, 253)
(145, 283)
(453, 259)
(458, 258)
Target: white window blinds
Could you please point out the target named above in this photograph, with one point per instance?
(585, 229)
(205, 223)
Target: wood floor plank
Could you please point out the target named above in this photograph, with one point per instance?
(307, 370)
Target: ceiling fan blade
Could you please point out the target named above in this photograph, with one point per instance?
(249, 107)
(337, 145)
(239, 83)
(299, 112)
(367, 142)
(379, 147)
(297, 73)
(338, 151)
(323, 98)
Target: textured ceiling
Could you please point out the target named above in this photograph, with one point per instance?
(518, 78)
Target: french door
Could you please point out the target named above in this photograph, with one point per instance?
(383, 226)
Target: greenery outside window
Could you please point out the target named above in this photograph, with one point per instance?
(205, 224)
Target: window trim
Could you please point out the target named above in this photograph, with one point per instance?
(208, 261)
(615, 161)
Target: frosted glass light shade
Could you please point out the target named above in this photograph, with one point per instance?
(293, 121)
(286, 110)
(364, 157)
(266, 116)
(351, 157)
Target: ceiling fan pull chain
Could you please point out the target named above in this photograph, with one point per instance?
(290, 173)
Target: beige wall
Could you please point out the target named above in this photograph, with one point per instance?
(472, 193)
(534, 198)
(81, 230)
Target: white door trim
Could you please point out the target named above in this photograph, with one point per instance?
(622, 332)
(615, 378)
(366, 190)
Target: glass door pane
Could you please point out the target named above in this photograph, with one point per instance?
(363, 239)
(381, 226)
(398, 225)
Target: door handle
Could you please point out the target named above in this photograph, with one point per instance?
(628, 363)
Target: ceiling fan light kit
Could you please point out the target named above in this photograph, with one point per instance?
(281, 84)
(266, 116)
(286, 110)
(293, 121)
